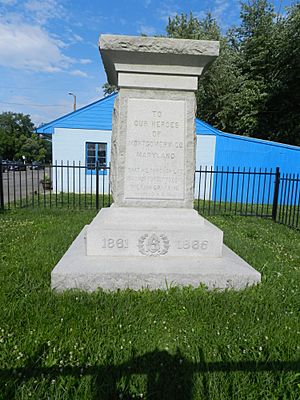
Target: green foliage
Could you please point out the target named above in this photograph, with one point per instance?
(182, 26)
(281, 113)
(46, 179)
(173, 344)
(17, 139)
(14, 128)
(109, 89)
(253, 88)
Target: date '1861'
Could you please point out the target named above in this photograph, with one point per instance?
(111, 243)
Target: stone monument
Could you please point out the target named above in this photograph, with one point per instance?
(151, 236)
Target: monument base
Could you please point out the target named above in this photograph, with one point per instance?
(145, 248)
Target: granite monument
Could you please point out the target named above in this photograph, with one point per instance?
(151, 236)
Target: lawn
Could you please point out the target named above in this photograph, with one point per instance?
(173, 344)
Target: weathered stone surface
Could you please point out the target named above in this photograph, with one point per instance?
(149, 55)
(154, 163)
(149, 232)
(78, 271)
(151, 237)
(158, 45)
(140, 177)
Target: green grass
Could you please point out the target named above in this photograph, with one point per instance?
(60, 200)
(174, 344)
(288, 215)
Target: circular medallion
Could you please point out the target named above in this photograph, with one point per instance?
(153, 244)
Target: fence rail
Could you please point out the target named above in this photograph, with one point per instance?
(54, 186)
(237, 191)
(240, 191)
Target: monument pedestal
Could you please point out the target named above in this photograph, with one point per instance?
(152, 232)
(150, 248)
(151, 237)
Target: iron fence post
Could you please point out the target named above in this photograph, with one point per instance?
(276, 193)
(1, 186)
(97, 185)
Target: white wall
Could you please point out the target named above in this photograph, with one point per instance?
(205, 159)
(68, 147)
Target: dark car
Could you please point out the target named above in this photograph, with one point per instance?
(6, 165)
(17, 166)
(36, 165)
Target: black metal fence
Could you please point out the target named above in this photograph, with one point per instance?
(288, 204)
(58, 185)
(237, 191)
(241, 191)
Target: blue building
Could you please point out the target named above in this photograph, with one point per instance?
(84, 136)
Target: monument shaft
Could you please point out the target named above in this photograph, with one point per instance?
(151, 236)
(153, 139)
(153, 149)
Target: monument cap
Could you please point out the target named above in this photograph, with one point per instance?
(154, 56)
(151, 237)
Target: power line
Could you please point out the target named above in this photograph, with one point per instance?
(34, 105)
(41, 88)
(31, 88)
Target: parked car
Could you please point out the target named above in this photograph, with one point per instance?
(6, 165)
(36, 165)
(17, 166)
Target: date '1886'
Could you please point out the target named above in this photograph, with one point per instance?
(192, 244)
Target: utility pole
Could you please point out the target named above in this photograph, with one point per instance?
(74, 97)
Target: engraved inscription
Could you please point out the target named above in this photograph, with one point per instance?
(154, 166)
(192, 244)
(110, 243)
(153, 245)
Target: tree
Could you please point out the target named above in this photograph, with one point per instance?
(222, 81)
(256, 38)
(281, 116)
(270, 49)
(109, 89)
(182, 26)
(253, 88)
(17, 138)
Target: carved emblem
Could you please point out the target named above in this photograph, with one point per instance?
(153, 245)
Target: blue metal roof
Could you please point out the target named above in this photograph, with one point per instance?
(202, 128)
(97, 115)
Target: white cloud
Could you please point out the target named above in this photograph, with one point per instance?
(38, 111)
(43, 10)
(77, 38)
(200, 14)
(147, 30)
(78, 72)
(167, 10)
(220, 7)
(85, 61)
(28, 47)
(41, 116)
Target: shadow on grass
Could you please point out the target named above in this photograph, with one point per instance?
(167, 376)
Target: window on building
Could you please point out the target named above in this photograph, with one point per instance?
(96, 152)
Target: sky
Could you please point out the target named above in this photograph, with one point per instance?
(49, 48)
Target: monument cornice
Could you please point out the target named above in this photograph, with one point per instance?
(154, 55)
(151, 237)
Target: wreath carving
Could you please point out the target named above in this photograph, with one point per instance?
(153, 245)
